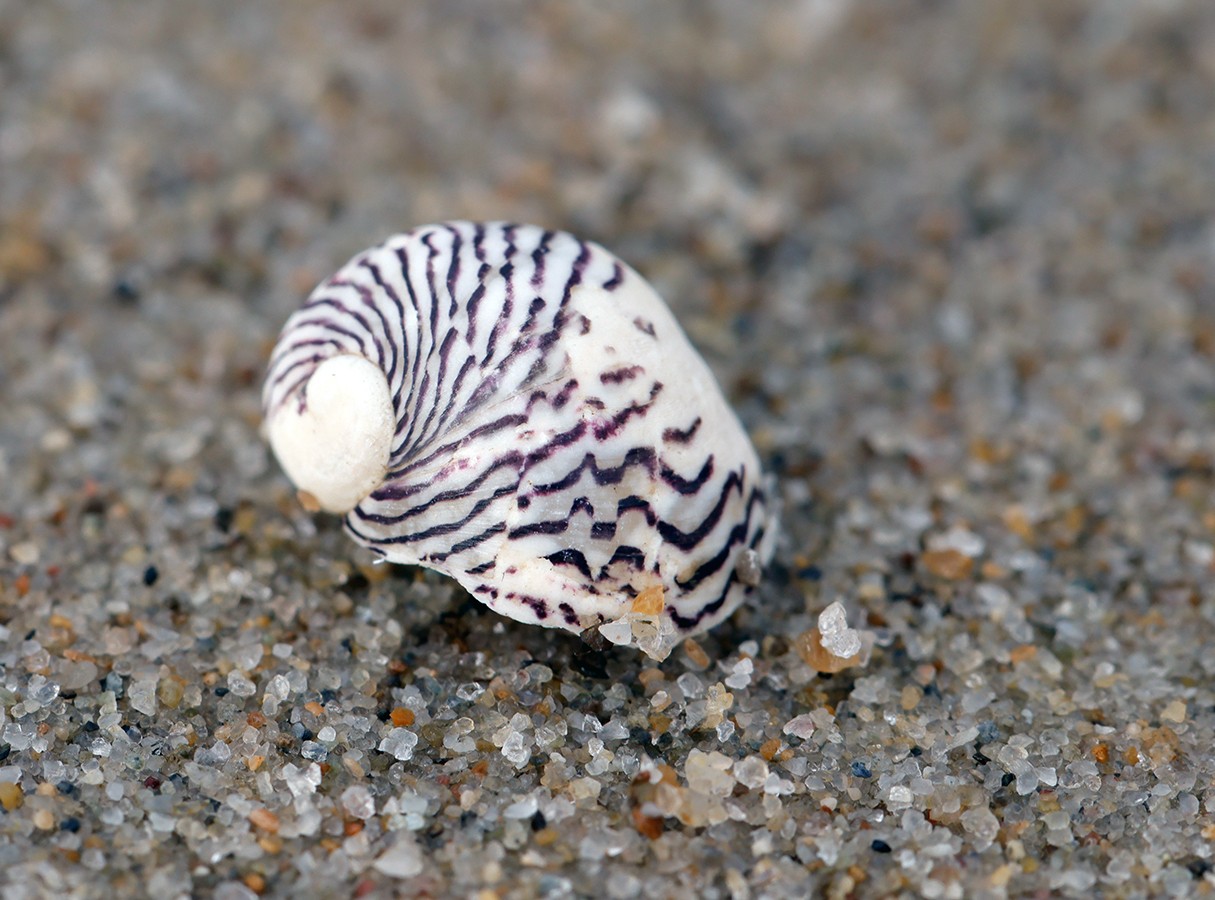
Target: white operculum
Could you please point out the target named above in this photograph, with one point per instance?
(336, 448)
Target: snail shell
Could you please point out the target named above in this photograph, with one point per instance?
(518, 409)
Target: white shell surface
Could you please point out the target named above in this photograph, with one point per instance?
(556, 444)
(336, 445)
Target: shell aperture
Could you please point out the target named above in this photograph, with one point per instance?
(517, 408)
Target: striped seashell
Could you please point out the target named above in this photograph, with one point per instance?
(517, 408)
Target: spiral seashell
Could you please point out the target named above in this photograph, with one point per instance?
(518, 409)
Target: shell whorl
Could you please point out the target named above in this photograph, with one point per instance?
(555, 443)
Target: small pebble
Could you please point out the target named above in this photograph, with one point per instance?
(402, 859)
(25, 553)
(402, 717)
(1174, 712)
(950, 564)
(264, 819)
(399, 743)
(810, 648)
(11, 796)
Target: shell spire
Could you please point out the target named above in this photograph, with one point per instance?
(518, 409)
(334, 441)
